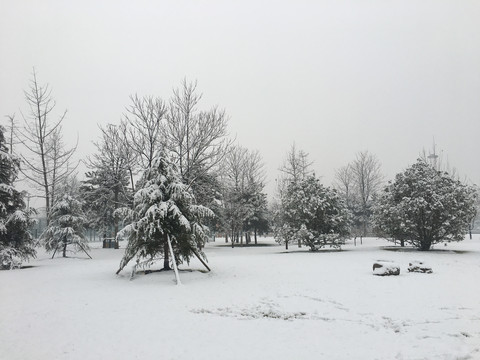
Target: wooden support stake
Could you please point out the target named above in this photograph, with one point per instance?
(173, 261)
(81, 246)
(199, 258)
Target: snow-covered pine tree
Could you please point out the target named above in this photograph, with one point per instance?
(16, 242)
(313, 214)
(66, 227)
(164, 207)
(424, 206)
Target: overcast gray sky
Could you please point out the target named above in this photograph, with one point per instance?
(336, 77)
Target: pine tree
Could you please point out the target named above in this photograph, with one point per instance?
(16, 242)
(313, 214)
(66, 227)
(164, 207)
(424, 206)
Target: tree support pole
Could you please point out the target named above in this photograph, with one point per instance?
(85, 251)
(199, 258)
(177, 277)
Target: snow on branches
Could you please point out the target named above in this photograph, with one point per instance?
(424, 206)
(164, 207)
(311, 213)
(16, 243)
(66, 227)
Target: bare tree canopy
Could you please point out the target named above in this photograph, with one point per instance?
(142, 127)
(243, 179)
(358, 182)
(296, 165)
(197, 139)
(49, 161)
(366, 169)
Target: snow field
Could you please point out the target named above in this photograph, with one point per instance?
(257, 303)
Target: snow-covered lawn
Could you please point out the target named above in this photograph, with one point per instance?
(257, 303)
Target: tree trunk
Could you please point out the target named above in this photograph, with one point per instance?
(166, 261)
(425, 244)
(286, 245)
(255, 236)
(115, 207)
(64, 249)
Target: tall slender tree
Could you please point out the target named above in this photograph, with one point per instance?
(49, 162)
(366, 170)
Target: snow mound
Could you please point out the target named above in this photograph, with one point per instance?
(386, 268)
(419, 266)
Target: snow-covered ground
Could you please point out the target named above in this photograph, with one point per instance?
(257, 303)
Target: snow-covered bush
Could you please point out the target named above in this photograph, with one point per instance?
(312, 214)
(66, 227)
(164, 207)
(16, 242)
(424, 206)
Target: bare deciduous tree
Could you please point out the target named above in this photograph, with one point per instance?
(243, 180)
(345, 183)
(50, 162)
(142, 127)
(296, 165)
(108, 187)
(368, 178)
(197, 139)
(12, 132)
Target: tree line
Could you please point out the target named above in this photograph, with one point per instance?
(169, 172)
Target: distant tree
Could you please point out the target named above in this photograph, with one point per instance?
(368, 179)
(347, 186)
(12, 129)
(71, 186)
(476, 214)
(245, 208)
(424, 206)
(67, 227)
(358, 183)
(295, 168)
(50, 162)
(312, 214)
(16, 243)
(164, 207)
(259, 221)
(108, 184)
